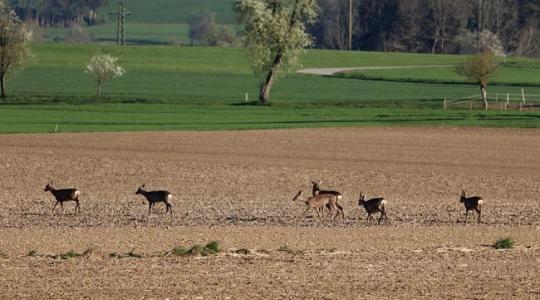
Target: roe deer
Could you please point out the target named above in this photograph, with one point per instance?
(317, 202)
(372, 206)
(154, 197)
(334, 205)
(64, 195)
(472, 203)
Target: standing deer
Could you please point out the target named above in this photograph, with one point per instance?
(317, 202)
(472, 203)
(372, 206)
(64, 195)
(154, 197)
(334, 205)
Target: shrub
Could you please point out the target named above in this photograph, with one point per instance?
(504, 243)
(32, 253)
(197, 250)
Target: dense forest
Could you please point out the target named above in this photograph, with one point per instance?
(426, 26)
(434, 26)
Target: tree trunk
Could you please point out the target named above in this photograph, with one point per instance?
(483, 90)
(99, 91)
(2, 86)
(264, 93)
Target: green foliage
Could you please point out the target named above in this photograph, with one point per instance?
(273, 29)
(197, 250)
(504, 243)
(130, 254)
(479, 68)
(14, 43)
(70, 254)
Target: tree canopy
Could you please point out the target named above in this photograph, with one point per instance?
(14, 43)
(274, 33)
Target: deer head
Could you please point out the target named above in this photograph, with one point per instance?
(140, 190)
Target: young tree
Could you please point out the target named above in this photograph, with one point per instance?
(479, 68)
(103, 67)
(14, 44)
(274, 34)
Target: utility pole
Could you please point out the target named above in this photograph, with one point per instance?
(121, 14)
(350, 25)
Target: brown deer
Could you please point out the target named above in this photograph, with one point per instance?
(154, 197)
(334, 205)
(373, 206)
(318, 202)
(472, 203)
(64, 195)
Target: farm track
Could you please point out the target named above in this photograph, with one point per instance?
(237, 187)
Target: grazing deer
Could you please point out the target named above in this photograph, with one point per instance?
(334, 205)
(372, 206)
(64, 195)
(317, 202)
(154, 197)
(472, 203)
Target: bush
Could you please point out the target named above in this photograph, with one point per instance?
(197, 250)
(506, 243)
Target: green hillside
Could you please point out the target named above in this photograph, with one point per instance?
(171, 11)
(173, 88)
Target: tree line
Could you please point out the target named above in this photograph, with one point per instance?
(429, 26)
(57, 12)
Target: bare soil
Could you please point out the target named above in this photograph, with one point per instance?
(236, 187)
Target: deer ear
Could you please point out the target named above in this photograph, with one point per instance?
(143, 185)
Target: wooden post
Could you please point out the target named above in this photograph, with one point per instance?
(470, 105)
(521, 106)
(444, 104)
(247, 97)
(523, 95)
(507, 98)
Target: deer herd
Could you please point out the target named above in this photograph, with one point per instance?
(326, 203)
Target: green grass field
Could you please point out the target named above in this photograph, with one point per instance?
(168, 88)
(171, 11)
(523, 72)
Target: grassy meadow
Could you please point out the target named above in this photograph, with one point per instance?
(194, 88)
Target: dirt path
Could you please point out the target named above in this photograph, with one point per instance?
(237, 186)
(333, 71)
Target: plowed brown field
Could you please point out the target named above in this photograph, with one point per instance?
(236, 187)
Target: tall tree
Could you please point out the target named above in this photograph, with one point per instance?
(14, 44)
(275, 34)
(479, 68)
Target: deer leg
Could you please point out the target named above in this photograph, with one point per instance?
(380, 218)
(54, 207)
(466, 215)
(305, 212)
(77, 206)
(342, 212)
(479, 215)
(169, 206)
(149, 208)
(319, 214)
(62, 206)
